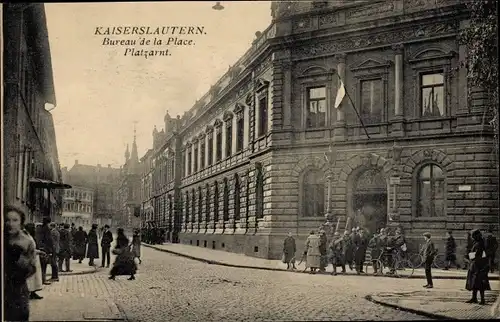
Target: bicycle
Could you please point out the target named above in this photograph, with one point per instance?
(403, 267)
(418, 260)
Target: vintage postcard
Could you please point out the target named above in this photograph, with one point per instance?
(250, 160)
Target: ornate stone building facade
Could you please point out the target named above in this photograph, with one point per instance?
(247, 163)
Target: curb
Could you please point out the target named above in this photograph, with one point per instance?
(212, 262)
(96, 269)
(405, 309)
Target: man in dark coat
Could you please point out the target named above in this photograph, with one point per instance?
(347, 249)
(450, 251)
(429, 254)
(468, 249)
(397, 247)
(80, 243)
(323, 247)
(46, 245)
(73, 232)
(107, 239)
(376, 247)
(336, 253)
(491, 245)
(289, 249)
(65, 242)
(361, 243)
(477, 275)
(93, 245)
(54, 267)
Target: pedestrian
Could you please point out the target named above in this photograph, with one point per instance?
(429, 254)
(136, 245)
(289, 249)
(477, 275)
(35, 282)
(80, 242)
(376, 247)
(397, 249)
(73, 233)
(360, 250)
(491, 245)
(107, 239)
(336, 256)
(124, 263)
(313, 260)
(54, 266)
(92, 246)
(323, 248)
(468, 248)
(19, 263)
(65, 249)
(450, 251)
(348, 251)
(46, 245)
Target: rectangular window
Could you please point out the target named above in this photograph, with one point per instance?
(202, 154)
(218, 149)
(263, 111)
(189, 161)
(210, 152)
(240, 133)
(432, 93)
(195, 159)
(316, 107)
(371, 100)
(229, 138)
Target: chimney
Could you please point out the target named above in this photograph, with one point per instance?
(76, 162)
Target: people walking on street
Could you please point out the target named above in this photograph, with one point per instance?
(491, 245)
(35, 282)
(477, 275)
(323, 248)
(336, 253)
(66, 241)
(289, 249)
(80, 242)
(47, 245)
(107, 239)
(124, 263)
(376, 247)
(429, 254)
(136, 245)
(361, 245)
(93, 245)
(73, 231)
(450, 251)
(54, 267)
(313, 261)
(19, 263)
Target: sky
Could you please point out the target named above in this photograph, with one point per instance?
(100, 92)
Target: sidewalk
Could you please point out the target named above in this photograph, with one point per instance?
(437, 304)
(77, 269)
(220, 257)
(73, 307)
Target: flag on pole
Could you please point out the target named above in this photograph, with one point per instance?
(340, 93)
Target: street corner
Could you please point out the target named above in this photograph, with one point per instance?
(448, 305)
(74, 307)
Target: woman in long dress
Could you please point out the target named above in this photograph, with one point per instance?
(313, 260)
(477, 275)
(35, 281)
(136, 245)
(80, 243)
(19, 263)
(124, 262)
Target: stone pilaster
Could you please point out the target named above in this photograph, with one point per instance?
(219, 224)
(397, 124)
(211, 213)
(231, 224)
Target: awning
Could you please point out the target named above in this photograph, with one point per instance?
(44, 183)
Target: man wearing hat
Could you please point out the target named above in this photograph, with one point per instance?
(429, 254)
(336, 247)
(323, 250)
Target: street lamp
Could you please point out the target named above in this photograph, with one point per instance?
(331, 158)
(218, 6)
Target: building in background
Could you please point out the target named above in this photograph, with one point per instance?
(32, 175)
(128, 191)
(103, 181)
(78, 207)
(146, 166)
(268, 151)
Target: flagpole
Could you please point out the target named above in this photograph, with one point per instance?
(354, 107)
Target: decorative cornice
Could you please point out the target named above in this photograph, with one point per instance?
(261, 84)
(239, 108)
(398, 48)
(217, 123)
(227, 116)
(249, 99)
(209, 129)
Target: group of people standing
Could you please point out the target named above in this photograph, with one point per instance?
(28, 250)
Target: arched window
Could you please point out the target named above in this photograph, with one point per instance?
(430, 181)
(259, 192)
(207, 206)
(313, 194)
(216, 202)
(193, 206)
(237, 198)
(200, 205)
(226, 200)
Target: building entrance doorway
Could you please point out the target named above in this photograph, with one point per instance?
(370, 200)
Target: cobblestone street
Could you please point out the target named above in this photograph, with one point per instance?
(172, 288)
